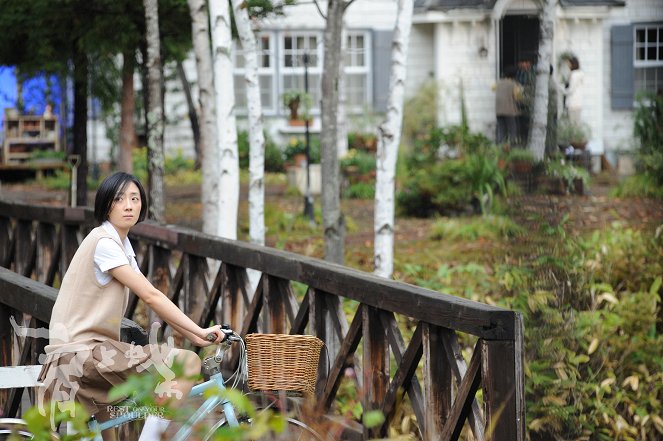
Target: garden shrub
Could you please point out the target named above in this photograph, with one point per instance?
(593, 370)
(420, 113)
(464, 182)
(274, 161)
(485, 227)
(648, 130)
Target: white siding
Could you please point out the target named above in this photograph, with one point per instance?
(457, 61)
(421, 63)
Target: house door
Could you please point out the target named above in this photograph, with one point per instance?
(519, 40)
(519, 49)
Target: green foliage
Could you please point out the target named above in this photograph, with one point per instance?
(42, 425)
(454, 139)
(297, 146)
(639, 185)
(648, 130)
(274, 161)
(567, 172)
(591, 309)
(360, 190)
(451, 186)
(483, 227)
(362, 141)
(178, 169)
(298, 102)
(420, 113)
(518, 155)
(570, 133)
(48, 154)
(359, 161)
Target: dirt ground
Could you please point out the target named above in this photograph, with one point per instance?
(592, 211)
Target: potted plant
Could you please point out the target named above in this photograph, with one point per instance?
(573, 134)
(295, 152)
(520, 160)
(566, 178)
(299, 104)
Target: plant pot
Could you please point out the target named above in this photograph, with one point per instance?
(299, 122)
(521, 167)
(299, 159)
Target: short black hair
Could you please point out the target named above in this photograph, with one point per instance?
(575, 64)
(108, 191)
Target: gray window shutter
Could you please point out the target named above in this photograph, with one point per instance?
(621, 66)
(382, 41)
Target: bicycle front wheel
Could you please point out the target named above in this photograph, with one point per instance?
(295, 431)
(13, 428)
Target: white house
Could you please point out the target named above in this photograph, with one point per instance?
(619, 45)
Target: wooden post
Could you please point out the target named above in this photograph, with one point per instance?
(69, 239)
(375, 366)
(158, 273)
(195, 288)
(503, 386)
(236, 301)
(437, 381)
(24, 247)
(7, 249)
(6, 342)
(276, 295)
(45, 250)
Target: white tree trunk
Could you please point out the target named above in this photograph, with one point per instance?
(154, 112)
(207, 115)
(537, 135)
(332, 216)
(256, 136)
(389, 136)
(228, 191)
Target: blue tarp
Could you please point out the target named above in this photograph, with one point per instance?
(36, 92)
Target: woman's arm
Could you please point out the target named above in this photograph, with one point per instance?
(164, 307)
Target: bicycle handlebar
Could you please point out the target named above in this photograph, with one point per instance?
(227, 333)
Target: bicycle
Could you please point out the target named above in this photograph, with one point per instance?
(296, 430)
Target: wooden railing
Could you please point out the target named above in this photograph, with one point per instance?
(409, 336)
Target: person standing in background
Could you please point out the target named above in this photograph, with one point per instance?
(526, 77)
(574, 91)
(507, 95)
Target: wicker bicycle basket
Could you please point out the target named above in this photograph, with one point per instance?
(283, 362)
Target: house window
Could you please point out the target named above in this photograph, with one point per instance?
(648, 57)
(294, 46)
(357, 64)
(266, 75)
(281, 68)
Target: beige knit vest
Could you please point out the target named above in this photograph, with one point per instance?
(86, 312)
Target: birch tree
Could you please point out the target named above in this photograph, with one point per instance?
(227, 195)
(256, 136)
(154, 112)
(207, 115)
(332, 216)
(537, 135)
(389, 136)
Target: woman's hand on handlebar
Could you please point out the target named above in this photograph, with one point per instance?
(206, 338)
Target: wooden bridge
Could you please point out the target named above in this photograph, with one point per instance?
(401, 339)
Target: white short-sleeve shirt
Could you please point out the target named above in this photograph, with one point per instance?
(109, 255)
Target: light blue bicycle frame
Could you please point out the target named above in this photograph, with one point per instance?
(215, 381)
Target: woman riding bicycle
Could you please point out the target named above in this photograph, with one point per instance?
(84, 358)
